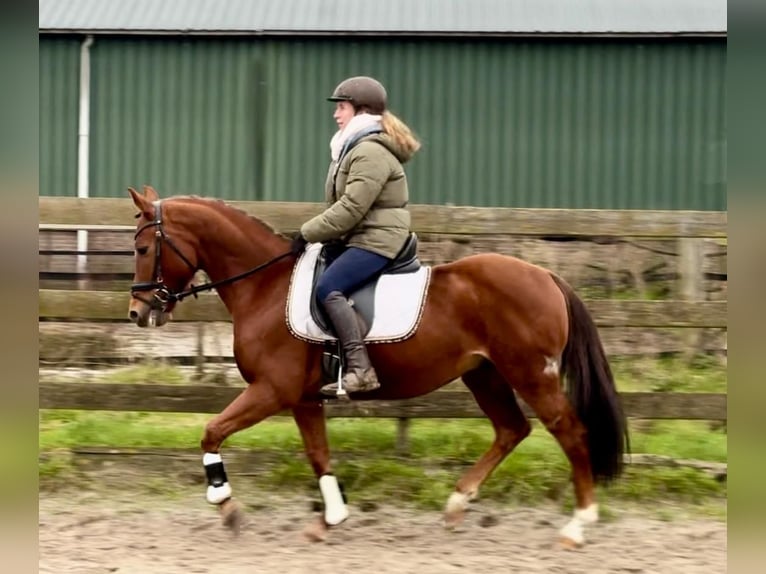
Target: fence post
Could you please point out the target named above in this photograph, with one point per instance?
(403, 437)
(690, 252)
(200, 358)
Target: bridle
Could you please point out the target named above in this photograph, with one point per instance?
(163, 295)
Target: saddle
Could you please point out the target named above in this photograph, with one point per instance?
(363, 299)
(389, 305)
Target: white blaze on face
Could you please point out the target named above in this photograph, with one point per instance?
(153, 318)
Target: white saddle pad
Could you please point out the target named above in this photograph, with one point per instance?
(399, 302)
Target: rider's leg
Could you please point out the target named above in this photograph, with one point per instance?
(347, 273)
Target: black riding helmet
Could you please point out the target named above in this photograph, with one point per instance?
(361, 91)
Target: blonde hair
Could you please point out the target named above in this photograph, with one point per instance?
(401, 133)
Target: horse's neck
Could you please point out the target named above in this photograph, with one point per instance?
(231, 243)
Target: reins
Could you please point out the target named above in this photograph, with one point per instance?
(163, 296)
(212, 285)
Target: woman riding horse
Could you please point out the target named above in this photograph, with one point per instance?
(366, 189)
(502, 325)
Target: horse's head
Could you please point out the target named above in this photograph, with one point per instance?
(164, 266)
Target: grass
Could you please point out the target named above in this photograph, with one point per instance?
(452, 440)
(156, 372)
(367, 463)
(701, 374)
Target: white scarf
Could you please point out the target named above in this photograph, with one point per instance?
(357, 124)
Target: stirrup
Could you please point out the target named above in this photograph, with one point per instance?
(340, 389)
(336, 389)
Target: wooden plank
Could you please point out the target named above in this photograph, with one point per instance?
(84, 227)
(442, 404)
(181, 341)
(113, 306)
(88, 252)
(638, 313)
(100, 282)
(97, 240)
(68, 211)
(568, 223)
(436, 219)
(123, 261)
(106, 305)
(93, 279)
(717, 470)
(73, 343)
(95, 264)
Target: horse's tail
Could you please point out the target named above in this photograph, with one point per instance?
(591, 389)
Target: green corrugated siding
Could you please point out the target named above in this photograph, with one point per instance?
(59, 96)
(536, 124)
(175, 114)
(571, 124)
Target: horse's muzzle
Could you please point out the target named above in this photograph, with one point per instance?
(145, 315)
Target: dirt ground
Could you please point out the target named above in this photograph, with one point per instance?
(121, 531)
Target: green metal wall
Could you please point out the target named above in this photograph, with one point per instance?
(175, 114)
(59, 93)
(585, 124)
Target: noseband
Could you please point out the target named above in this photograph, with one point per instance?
(163, 295)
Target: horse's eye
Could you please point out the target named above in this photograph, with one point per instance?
(142, 250)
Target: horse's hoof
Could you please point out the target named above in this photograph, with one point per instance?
(454, 513)
(232, 515)
(453, 519)
(316, 530)
(568, 544)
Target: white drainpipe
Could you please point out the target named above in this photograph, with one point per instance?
(83, 140)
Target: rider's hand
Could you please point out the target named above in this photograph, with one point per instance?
(298, 245)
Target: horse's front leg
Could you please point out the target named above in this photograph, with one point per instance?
(257, 402)
(309, 416)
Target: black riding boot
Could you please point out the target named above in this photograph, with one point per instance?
(360, 375)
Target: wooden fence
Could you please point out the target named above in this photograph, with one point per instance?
(62, 213)
(692, 239)
(620, 320)
(448, 403)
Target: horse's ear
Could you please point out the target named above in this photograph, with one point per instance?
(143, 204)
(150, 193)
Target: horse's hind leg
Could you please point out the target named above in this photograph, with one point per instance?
(495, 397)
(540, 388)
(310, 419)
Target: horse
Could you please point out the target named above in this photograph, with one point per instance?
(506, 327)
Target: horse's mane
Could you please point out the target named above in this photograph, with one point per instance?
(221, 205)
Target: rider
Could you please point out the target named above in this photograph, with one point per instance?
(366, 192)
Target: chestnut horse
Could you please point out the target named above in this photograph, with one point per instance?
(502, 325)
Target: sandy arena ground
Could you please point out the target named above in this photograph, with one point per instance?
(121, 531)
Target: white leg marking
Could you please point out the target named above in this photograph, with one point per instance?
(574, 528)
(457, 502)
(551, 366)
(335, 510)
(588, 515)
